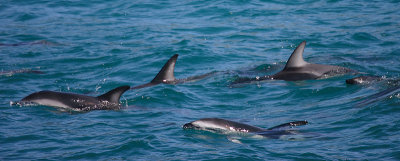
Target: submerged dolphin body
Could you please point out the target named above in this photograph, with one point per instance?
(12, 72)
(378, 96)
(42, 42)
(297, 69)
(393, 87)
(77, 102)
(166, 75)
(226, 126)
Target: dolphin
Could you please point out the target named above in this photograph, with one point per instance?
(77, 102)
(364, 80)
(297, 69)
(12, 72)
(166, 75)
(42, 42)
(227, 126)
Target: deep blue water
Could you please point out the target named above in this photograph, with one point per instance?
(90, 47)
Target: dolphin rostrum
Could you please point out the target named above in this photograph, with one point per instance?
(77, 102)
(166, 75)
(297, 69)
(226, 126)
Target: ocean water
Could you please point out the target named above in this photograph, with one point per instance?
(91, 47)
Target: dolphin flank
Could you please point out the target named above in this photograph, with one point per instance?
(77, 102)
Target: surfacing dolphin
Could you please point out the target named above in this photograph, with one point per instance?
(297, 69)
(227, 126)
(166, 75)
(364, 80)
(77, 102)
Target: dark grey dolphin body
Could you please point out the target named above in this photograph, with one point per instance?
(166, 75)
(222, 125)
(364, 80)
(297, 69)
(77, 102)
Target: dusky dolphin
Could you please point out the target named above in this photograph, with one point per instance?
(364, 80)
(42, 42)
(77, 102)
(12, 72)
(227, 126)
(166, 75)
(297, 69)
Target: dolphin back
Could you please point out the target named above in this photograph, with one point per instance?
(166, 73)
(39, 95)
(114, 95)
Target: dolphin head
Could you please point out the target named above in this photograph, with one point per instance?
(190, 126)
(208, 124)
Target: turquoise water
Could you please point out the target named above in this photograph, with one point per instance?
(90, 47)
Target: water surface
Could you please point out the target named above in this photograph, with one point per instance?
(94, 46)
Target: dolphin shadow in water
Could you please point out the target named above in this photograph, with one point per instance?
(166, 75)
(226, 126)
(297, 69)
(77, 102)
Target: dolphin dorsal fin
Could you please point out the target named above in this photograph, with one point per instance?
(167, 71)
(296, 59)
(289, 124)
(114, 95)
